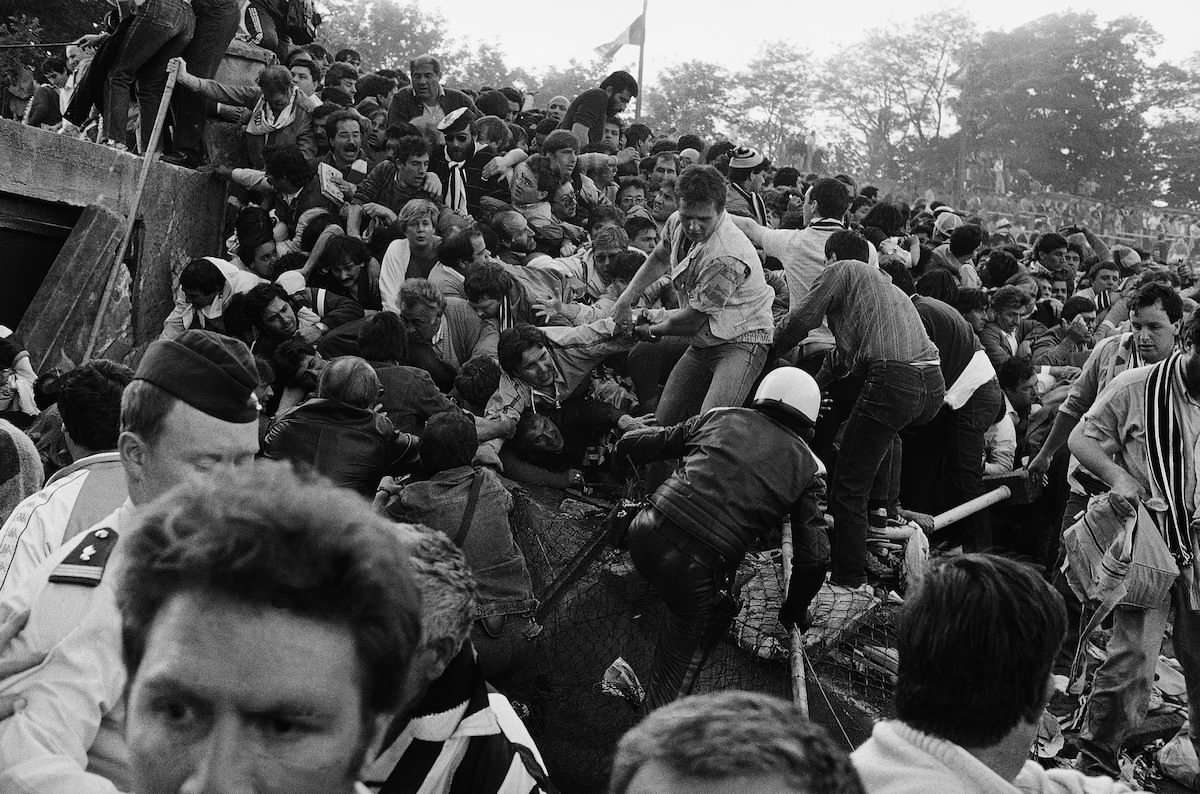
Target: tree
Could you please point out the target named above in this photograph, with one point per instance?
(892, 95)
(484, 65)
(774, 101)
(569, 81)
(1173, 139)
(58, 20)
(1064, 97)
(386, 33)
(694, 96)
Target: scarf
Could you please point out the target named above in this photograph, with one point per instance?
(1166, 457)
(456, 189)
(264, 121)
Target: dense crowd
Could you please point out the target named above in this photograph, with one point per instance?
(429, 294)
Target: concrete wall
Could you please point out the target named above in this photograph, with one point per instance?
(181, 214)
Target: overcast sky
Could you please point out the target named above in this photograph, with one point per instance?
(551, 31)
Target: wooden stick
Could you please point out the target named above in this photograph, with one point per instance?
(148, 159)
(796, 637)
(970, 508)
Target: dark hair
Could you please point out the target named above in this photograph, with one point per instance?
(89, 402)
(288, 162)
(832, 197)
(47, 387)
(723, 736)
(306, 63)
(636, 133)
(885, 217)
(8, 352)
(1010, 297)
(409, 146)
(383, 337)
(341, 249)
(900, 275)
(337, 117)
(487, 280)
(1049, 242)
(256, 300)
(456, 250)
(605, 214)
(252, 228)
(492, 103)
(626, 264)
(787, 176)
(316, 224)
(339, 71)
(1014, 371)
(201, 275)
(476, 382)
(1075, 306)
(267, 537)
(274, 78)
(621, 81)
(1150, 294)
(970, 299)
(998, 268)
(638, 224)
(632, 183)
(692, 141)
(1103, 265)
(448, 441)
(965, 239)
(719, 153)
(347, 54)
(939, 284)
(288, 357)
(513, 344)
(845, 244)
(701, 184)
(976, 645)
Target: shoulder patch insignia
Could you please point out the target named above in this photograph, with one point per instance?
(86, 562)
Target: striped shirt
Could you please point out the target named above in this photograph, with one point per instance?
(463, 737)
(870, 317)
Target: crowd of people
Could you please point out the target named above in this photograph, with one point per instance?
(429, 294)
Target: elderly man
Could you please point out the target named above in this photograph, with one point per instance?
(268, 624)
(339, 432)
(725, 301)
(426, 98)
(190, 409)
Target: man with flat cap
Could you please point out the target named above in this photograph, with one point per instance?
(470, 146)
(190, 409)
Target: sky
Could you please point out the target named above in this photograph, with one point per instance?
(730, 33)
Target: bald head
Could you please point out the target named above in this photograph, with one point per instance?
(351, 380)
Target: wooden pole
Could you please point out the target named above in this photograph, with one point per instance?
(970, 508)
(151, 154)
(796, 638)
(641, 64)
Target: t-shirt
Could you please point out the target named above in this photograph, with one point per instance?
(591, 109)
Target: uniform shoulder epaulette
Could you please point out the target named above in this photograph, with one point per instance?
(86, 562)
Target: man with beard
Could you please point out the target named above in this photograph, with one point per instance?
(427, 98)
(346, 152)
(460, 165)
(586, 116)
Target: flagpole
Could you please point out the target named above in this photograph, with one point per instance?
(641, 63)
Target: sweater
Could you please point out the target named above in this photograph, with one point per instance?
(900, 760)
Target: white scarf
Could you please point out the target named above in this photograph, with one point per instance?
(264, 121)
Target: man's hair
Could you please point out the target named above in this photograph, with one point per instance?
(493, 129)
(632, 183)
(832, 197)
(1048, 242)
(414, 210)
(691, 141)
(724, 735)
(626, 265)
(287, 162)
(886, 217)
(443, 578)
(513, 344)
(268, 538)
(1010, 297)
(316, 51)
(970, 299)
(492, 103)
(456, 249)
(846, 244)
(965, 239)
(347, 54)
(999, 266)
(338, 71)
(636, 133)
(201, 275)
(1150, 294)
(420, 292)
(610, 238)
(409, 146)
(89, 402)
(288, 357)
(144, 409)
(621, 81)
(448, 441)
(274, 78)
(314, 71)
(976, 643)
(701, 184)
(638, 224)
(337, 117)
(787, 176)
(426, 58)
(1014, 371)
(606, 214)
(476, 382)
(1075, 306)
(487, 280)
(382, 338)
(351, 380)
(1103, 265)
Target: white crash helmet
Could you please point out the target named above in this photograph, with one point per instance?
(792, 390)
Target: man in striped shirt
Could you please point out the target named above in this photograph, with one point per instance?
(457, 734)
(879, 335)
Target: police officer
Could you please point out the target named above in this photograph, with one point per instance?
(743, 471)
(189, 409)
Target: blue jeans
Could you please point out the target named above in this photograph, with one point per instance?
(710, 377)
(894, 396)
(216, 22)
(160, 31)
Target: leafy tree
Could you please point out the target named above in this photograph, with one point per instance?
(1064, 97)
(774, 101)
(693, 96)
(570, 80)
(1173, 139)
(58, 20)
(483, 65)
(386, 33)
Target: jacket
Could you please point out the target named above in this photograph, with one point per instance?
(352, 446)
(741, 473)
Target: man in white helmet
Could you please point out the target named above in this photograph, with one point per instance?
(689, 540)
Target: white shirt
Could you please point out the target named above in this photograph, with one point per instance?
(393, 270)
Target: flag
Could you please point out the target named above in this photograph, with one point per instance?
(635, 34)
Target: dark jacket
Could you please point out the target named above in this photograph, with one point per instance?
(741, 473)
(405, 106)
(352, 446)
